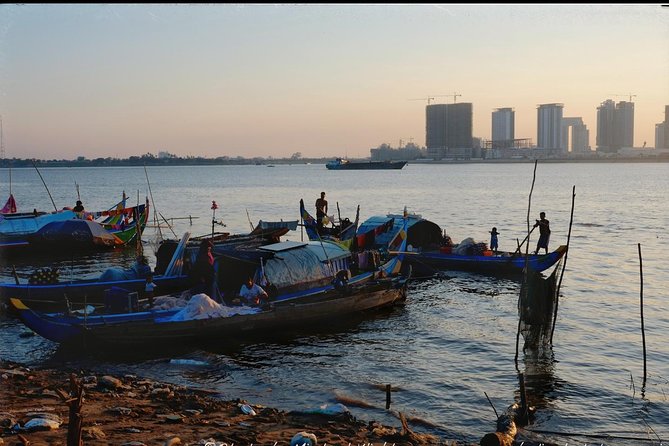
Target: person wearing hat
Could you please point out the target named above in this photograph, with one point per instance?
(493, 240)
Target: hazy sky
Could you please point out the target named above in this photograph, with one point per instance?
(323, 80)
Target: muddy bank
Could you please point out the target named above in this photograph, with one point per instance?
(132, 411)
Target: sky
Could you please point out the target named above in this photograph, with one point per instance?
(324, 80)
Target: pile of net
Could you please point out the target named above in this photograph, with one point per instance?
(469, 247)
(201, 306)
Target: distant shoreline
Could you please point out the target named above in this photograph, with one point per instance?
(16, 163)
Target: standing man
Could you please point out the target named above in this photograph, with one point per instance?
(544, 232)
(321, 211)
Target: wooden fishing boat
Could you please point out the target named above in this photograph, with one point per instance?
(342, 233)
(500, 263)
(116, 227)
(169, 275)
(162, 328)
(16, 228)
(344, 164)
(299, 296)
(427, 255)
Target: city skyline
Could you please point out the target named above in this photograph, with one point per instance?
(323, 80)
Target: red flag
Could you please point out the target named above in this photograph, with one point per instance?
(10, 206)
(214, 206)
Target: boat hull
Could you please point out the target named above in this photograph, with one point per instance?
(428, 263)
(88, 292)
(155, 329)
(369, 165)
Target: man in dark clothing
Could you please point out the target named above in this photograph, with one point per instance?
(544, 232)
(79, 207)
(321, 211)
(202, 272)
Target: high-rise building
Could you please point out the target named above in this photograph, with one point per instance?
(580, 135)
(660, 135)
(549, 127)
(503, 128)
(448, 127)
(615, 126)
(662, 131)
(624, 130)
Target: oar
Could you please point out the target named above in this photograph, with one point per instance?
(521, 243)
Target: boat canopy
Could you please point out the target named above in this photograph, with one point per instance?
(30, 223)
(285, 265)
(421, 233)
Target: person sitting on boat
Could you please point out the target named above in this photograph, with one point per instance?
(79, 208)
(340, 281)
(252, 294)
(544, 232)
(321, 211)
(141, 267)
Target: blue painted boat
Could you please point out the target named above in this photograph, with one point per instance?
(343, 233)
(77, 293)
(501, 263)
(157, 329)
(292, 307)
(427, 256)
(368, 291)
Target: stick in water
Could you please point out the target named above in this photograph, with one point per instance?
(643, 331)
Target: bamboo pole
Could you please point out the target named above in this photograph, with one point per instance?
(47, 188)
(153, 203)
(643, 331)
(564, 264)
(529, 205)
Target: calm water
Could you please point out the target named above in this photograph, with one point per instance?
(455, 338)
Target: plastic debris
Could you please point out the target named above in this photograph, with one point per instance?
(187, 362)
(248, 410)
(37, 424)
(304, 439)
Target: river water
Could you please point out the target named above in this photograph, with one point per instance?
(454, 340)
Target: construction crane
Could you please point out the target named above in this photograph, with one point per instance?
(455, 95)
(430, 98)
(630, 96)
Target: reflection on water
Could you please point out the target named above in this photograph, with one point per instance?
(455, 337)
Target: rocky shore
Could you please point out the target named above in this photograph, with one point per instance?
(37, 404)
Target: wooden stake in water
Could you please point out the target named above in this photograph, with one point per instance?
(529, 205)
(643, 332)
(564, 264)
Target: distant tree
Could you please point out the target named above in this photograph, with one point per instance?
(296, 156)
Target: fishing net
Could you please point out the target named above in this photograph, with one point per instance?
(536, 304)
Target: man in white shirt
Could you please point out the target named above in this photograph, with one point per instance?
(252, 294)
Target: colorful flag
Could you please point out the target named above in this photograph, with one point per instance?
(310, 224)
(10, 206)
(394, 266)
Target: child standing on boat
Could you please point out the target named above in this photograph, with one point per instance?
(149, 287)
(493, 240)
